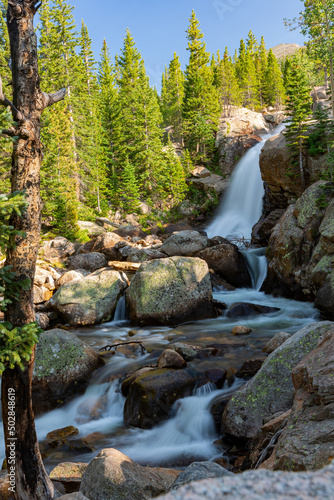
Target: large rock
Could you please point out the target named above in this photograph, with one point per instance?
(301, 244)
(184, 243)
(152, 394)
(261, 485)
(307, 441)
(112, 475)
(90, 262)
(105, 244)
(91, 228)
(226, 260)
(200, 470)
(63, 368)
(237, 133)
(170, 291)
(91, 300)
(271, 390)
(57, 250)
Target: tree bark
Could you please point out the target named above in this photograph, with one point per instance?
(31, 479)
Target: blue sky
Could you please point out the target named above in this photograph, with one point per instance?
(158, 26)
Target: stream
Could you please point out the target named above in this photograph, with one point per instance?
(189, 434)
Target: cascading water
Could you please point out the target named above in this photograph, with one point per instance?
(242, 208)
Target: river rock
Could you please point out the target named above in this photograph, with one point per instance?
(276, 342)
(63, 367)
(69, 474)
(130, 232)
(69, 276)
(170, 291)
(200, 470)
(241, 330)
(171, 359)
(112, 475)
(307, 441)
(90, 262)
(262, 230)
(77, 495)
(226, 260)
(57, 250)
(144, 254)
(249, 368)
(151, 396)
(245, 309)
(91, 300)
(271, 390)
(105, 244)
(261, 485)
(184, 243)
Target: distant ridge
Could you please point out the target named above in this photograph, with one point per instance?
(285, 49)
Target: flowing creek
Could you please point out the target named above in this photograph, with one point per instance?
(190, 433)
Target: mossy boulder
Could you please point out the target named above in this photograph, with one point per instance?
(63, 367)
(271, 390)
(91, 300)
(151, 396)
(170, 291)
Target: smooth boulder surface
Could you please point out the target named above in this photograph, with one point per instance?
(151, 396)
(261, 485)
(307, 441)
(91, 300)
(90, 262)
(276, 342)
(170, 291)
(184, 243)
(227, 261)
(271, 390)
(112, 475)
(105, 244)
(63, 368)
(200, 470)
(245, 309)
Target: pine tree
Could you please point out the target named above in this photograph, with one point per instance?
(172, 93)
(130, 192)
(136, 133)
(246, 73)
(261, 70)
(226, 82)
(274, 85)
(58, 68)
(201, 102)
(298, 108)
(176, 178)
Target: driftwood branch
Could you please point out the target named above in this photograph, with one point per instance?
(6, 102)
(50, 99)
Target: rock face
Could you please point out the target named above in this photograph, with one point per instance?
(63, 368)
(184, 243)
(307, 441)
(112, 475)
(236, 134)
(282, 180)
(226, 260)
(261, 485)
(91, 300)
(301, 247)
(200, 470)
(90, 262)
(57, 250)
(271, 390)
(170, 291)
(152, 394)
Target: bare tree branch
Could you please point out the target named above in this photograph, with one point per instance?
(6, 102)
(49, 99)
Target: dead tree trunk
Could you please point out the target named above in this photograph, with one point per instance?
(31, 479)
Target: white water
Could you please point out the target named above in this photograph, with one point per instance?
(242, 206)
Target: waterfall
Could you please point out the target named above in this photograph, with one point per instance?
(120, 312)
(243, 202)
(242, 208)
